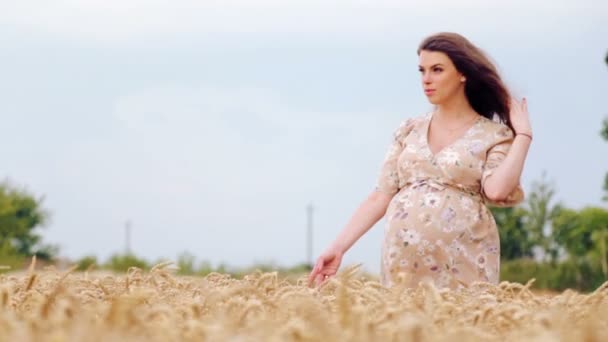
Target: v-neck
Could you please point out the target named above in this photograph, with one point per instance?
(427, 129)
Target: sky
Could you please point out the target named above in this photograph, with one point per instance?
(211, 125)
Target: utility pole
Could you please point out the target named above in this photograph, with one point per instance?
(309, 212)
(128, 237)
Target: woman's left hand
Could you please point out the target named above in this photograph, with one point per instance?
(519, 116)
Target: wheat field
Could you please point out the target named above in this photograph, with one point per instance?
(157, 305)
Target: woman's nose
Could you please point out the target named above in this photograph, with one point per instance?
(426, 77)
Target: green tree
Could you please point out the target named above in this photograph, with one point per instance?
(600, 239)
(525, 227)
(605, 198)
(584, 235)
(21, 216)
(122, 262)
(540, 212)
(604, 134)
(86, 262)
(185, 263)
(515, 240)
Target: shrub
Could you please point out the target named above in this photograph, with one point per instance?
(122, 262)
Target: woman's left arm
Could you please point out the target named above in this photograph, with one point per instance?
(507, 175)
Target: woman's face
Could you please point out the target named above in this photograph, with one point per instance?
(440, 79)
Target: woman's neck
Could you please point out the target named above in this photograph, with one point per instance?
(455, 110)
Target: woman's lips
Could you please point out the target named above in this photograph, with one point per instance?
(429, 91)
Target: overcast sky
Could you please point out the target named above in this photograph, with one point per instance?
(210, 125)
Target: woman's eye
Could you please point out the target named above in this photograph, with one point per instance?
(438, 70)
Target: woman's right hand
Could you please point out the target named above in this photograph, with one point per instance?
(326, 266)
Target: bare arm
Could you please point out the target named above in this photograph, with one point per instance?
(369, 212)
(505, 178)
(507, 175)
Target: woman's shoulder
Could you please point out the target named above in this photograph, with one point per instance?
(414, 121)
(408, 125)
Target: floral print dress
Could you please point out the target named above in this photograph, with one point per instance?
(438, 226)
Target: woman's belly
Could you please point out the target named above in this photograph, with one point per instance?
(442, 231)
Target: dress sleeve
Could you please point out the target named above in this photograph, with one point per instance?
(496, 154)
(388, 179)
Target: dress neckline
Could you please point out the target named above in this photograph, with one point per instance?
(427, 129)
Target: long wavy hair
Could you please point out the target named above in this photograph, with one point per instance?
(484, 88)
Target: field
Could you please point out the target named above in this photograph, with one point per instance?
(49, 305)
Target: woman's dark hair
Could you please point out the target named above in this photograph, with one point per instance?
(484, 89)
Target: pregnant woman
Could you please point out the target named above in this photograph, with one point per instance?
(442, 171)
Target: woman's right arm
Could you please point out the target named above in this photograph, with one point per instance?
(374, 206)
(369, 212)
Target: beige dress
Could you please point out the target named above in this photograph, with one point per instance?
(438, 225)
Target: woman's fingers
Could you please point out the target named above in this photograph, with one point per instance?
(313, 276)
(522, 107)
(325, 267)
(315, 272)
(514, 102)
(319, 279)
